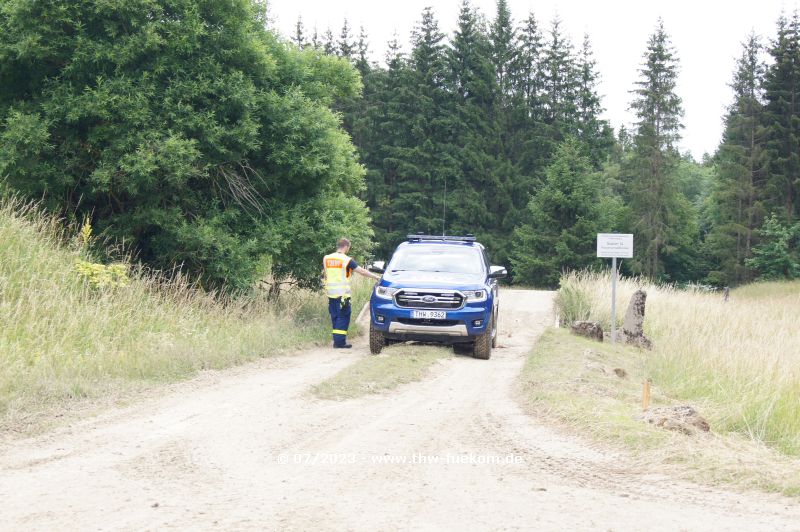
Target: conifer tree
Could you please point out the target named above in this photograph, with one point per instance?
(431, 137)
(345, 46)
(478, 206)
(315, 42)
(659, 210)
(502, 37)
(328, 43)
(782, 118)
(528, 147)
(560, 85)
(561, 221)
(299, 37)
(362, 53)
(594, 132)
(735, 204)
(394, 190)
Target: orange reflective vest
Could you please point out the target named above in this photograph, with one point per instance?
(337, 277)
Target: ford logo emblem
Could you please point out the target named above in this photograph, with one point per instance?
(429, 299)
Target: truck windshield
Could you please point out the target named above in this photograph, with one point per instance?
(425, 258)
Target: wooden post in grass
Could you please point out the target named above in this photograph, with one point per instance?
(646, 394)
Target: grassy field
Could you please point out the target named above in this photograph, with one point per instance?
(740, 360)
(573, 379)
(396, 365)
(63, 339)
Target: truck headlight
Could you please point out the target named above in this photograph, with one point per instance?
(475, 295)
(385, 292)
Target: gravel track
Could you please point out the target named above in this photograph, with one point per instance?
(249, 448)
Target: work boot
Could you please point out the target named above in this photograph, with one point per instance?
(345, 346)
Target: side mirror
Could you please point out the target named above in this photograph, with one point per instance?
(378, 266)
(497, 272)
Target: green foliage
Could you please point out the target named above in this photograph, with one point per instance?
(562, 221)
(736, 206)
(782, 118)
(456, 135)
(184, 129)
(664, 222)
(67, 335)
(778, 254)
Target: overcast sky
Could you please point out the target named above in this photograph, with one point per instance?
(707, 36)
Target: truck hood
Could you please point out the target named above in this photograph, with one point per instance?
(409, 279)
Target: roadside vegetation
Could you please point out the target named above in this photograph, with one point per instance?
(735, 361)
(596, 390)
(396, 365)
(72, 328)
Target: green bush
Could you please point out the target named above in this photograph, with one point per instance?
(182, 128)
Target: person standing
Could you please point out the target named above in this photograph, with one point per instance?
(337, 268)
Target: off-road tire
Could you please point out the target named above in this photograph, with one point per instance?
(376, 340)
(494, 330)
(483, 343)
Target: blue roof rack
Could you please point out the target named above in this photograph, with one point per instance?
(466, 238)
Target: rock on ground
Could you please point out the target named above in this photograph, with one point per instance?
(589, 329)
(633, 327)
(682, 418)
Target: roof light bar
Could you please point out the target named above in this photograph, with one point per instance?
(467, 238)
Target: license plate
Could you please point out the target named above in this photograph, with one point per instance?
(429, 314)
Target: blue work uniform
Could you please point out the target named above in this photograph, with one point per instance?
(339, 307)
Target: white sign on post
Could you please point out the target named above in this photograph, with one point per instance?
(618, 245)
(614, 246)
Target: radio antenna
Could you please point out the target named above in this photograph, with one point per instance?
(444, 207)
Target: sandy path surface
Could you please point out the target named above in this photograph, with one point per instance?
(249, 449)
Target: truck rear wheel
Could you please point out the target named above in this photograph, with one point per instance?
(376, 340)
(483, 343)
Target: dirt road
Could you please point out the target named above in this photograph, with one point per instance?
(249, 449)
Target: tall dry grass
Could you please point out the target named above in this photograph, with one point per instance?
(739, 360)
(62, 339)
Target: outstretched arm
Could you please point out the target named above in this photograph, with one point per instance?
(366, 273)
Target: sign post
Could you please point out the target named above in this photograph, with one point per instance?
(614, 246)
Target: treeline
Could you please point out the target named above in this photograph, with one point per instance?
(192, 134)
(497, 131)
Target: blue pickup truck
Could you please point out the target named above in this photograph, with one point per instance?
(439, 289)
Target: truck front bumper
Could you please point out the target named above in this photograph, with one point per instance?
(461, 325)
(396, 327)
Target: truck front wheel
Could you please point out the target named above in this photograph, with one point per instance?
(483, 343)
(376, 340)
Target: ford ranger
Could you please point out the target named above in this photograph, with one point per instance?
(438, 289)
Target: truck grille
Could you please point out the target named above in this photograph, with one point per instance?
(429, 299)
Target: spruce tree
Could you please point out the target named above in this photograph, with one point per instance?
(329, 43)
(479, 206)
(782, 118)
(345, 46)
(560, 85)
(595, 133)
(315, 42)
(502, 38)
(299, 37)
(736, 208)
(528, 147)
(653, 192)
(362, 53)
(394, 190)
(433, 152)
(561, 221)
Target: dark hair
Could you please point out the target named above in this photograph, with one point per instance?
(342, 243)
